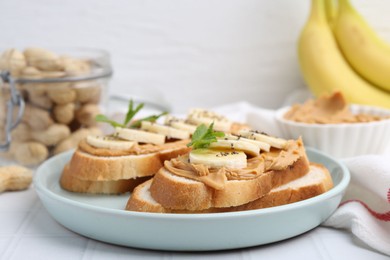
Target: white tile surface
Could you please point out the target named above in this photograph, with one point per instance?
(11, 221)
(55, 248)
(42, 224)
(28, 231)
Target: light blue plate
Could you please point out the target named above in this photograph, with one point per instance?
(103, 218)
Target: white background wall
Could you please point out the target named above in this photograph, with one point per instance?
(185, 52)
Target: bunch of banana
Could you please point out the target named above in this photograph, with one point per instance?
(365, 51)
(322, 62)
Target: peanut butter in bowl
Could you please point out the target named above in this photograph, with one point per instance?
(329, 109)
(335, 127)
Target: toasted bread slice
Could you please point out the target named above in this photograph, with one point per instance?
(316, 182)
(74, 184)
(96, 174)
(176, 192)
(180, 193)
(89, 167)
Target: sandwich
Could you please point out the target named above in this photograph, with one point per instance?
(134, 152)
(117, 162)
(226, 172)
(317, 181)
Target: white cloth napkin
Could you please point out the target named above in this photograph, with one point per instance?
(365, 208)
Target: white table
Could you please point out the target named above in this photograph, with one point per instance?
(27, 231)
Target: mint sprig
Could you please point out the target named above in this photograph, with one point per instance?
(104, 119)
(152, 118)
(131, 112)
(204, 136)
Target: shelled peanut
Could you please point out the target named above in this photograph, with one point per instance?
(56, 114)
(13, 178)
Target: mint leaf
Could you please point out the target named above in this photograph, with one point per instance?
(104, 119)
(152, 118)
(131, 112)
(129, 116)
(204, 136)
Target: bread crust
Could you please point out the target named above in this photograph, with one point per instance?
(74, 184)
(291, 194)
(89, 167)
(297, 170)
(139, 202)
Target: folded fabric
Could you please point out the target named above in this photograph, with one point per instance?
(365, 208)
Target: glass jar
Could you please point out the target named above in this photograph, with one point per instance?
(49, 100)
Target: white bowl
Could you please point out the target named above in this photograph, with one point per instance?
(342, 140)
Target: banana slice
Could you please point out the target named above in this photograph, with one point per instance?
(168, 131)
(139, 136)
(262, 145)
(246, 147)
(180, 124)
(183, 126)
(273, 141)
(219, 158)
(109, 142)
(201, 116)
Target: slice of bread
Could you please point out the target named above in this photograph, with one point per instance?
(180, 193)
(89, 167)
(91, 173)
(85, 166)
(74, 184)
(314, 183)
(176, 192)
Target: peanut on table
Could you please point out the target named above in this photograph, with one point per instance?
(13, 178)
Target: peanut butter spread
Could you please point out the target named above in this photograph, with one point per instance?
(137, 149)
(216, 178)
(282, 159)
(237, 127)
(332, 109)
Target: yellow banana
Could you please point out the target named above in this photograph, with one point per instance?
(364, 50)
(330, 11)
(324, 67)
